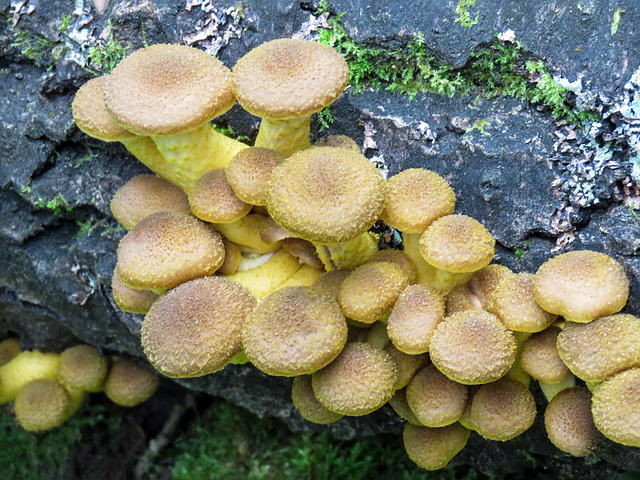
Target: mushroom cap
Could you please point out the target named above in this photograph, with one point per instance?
(249, 171)
(581, 286)
(129, 384)
(82, 367)
(9, 348)
(294, 331)
(400, 258)
(331, 281)
(289, 78)
(91, 115)
(168, 89)
(433, 448)
(502, 410)
(133, 300)
(414, 317)
(596, 350)
(472, 347)
(359, 381)
(24, 367)
(167, 249)
(308, 405)
(616, 407)
(213, 200)
(400, 405)
(325, 194)
(371, 290)
(341, 141)
(42, 404)
(416, 197)
(195, 328)
(406, 365)
(457, 243)
(144, 195)
(569, 422)
(539, 356)
(486, 280)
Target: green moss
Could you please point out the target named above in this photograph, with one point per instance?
(324, 119)
(103, 57)
(463, 17)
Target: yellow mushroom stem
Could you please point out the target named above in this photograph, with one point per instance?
(349, 254)
(286, 136)
(550, 390)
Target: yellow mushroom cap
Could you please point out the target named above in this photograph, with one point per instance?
(435, 399)
(486, 280)
(457, 243)
(144, 195)
(359, 381)
(331, 281)
(91, 115)
(24, 367)
(416, 197)
(596, 350)
(42, 404)
(472, 347)
(581, 286)
(213, 200)
(167, 249)
(294, 331)
(129, 384)
(308, 405)
(249, 171)
(371, 290)
(399, 404)
(502, 410)
(130, 299)
(341, 141)
(288, 78)
(414, 317)
(195, 328)
(433, 448)
(616, 407)
(406, 365)
(325, 194)
(569, 422)
(168, 89)
(82, 367)
(400, 258)
(539, 356)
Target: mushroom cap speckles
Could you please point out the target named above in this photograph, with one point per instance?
(294, 331)
(82, 367)
(288, 78)
(581, 286)
(42, 404)
(168, 89)
(308, 405)
(129, 384)
(539, 356)
(195, 328)
(213, 200)
(325, 194)
(249, 171)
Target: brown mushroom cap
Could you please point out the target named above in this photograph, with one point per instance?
(416, 197)
(129, 384)
(615, 407)
(596, 350)
(581, 286)
(249, 171)
(42, 404)
(130, 299)
(331, 281)
(569, 422)
(168, 89)
(195, 328)
(539, 356)
(166, 249)
(359, 381)
(294, 331)
(144, 195)
(9, 348)
(325, 194)
(308, 405)
(83, 368)
(288, 78)
(414, 317)
(341, 141)
(406, 365)
(457, 243)
(400, 258)
(502, 410)
(472, 347)
(213, 200)
(399, 404)
(433, 448)
(486, 280)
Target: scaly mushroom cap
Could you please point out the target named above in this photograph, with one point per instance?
(331, 281)
(325, 194)
(167, 249)
(569, 422)
(129, 384)
(502, 410)
(596, 350)
(416, 197)
(539, 356)
(249, 171)
(213, 200)
(144, 195)
(82, 367)
(433, 448)
(195, 328)
(581, 286)
(359, 381)
(399, 404)
(457, 243)
(472, 347)
(616, 407)
(168, 89)
(130, 299)
(486, 280)
(406, 365)
(308, 405)
(341, 141)
(24, 367)
(400, 258)
(294, 331)
(42, 404)
(289, 78)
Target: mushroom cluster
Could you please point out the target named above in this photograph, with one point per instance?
(48, 388)
(267, 255)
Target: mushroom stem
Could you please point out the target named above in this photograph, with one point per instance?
(349, 254)
(285, 136)
(550, 390)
